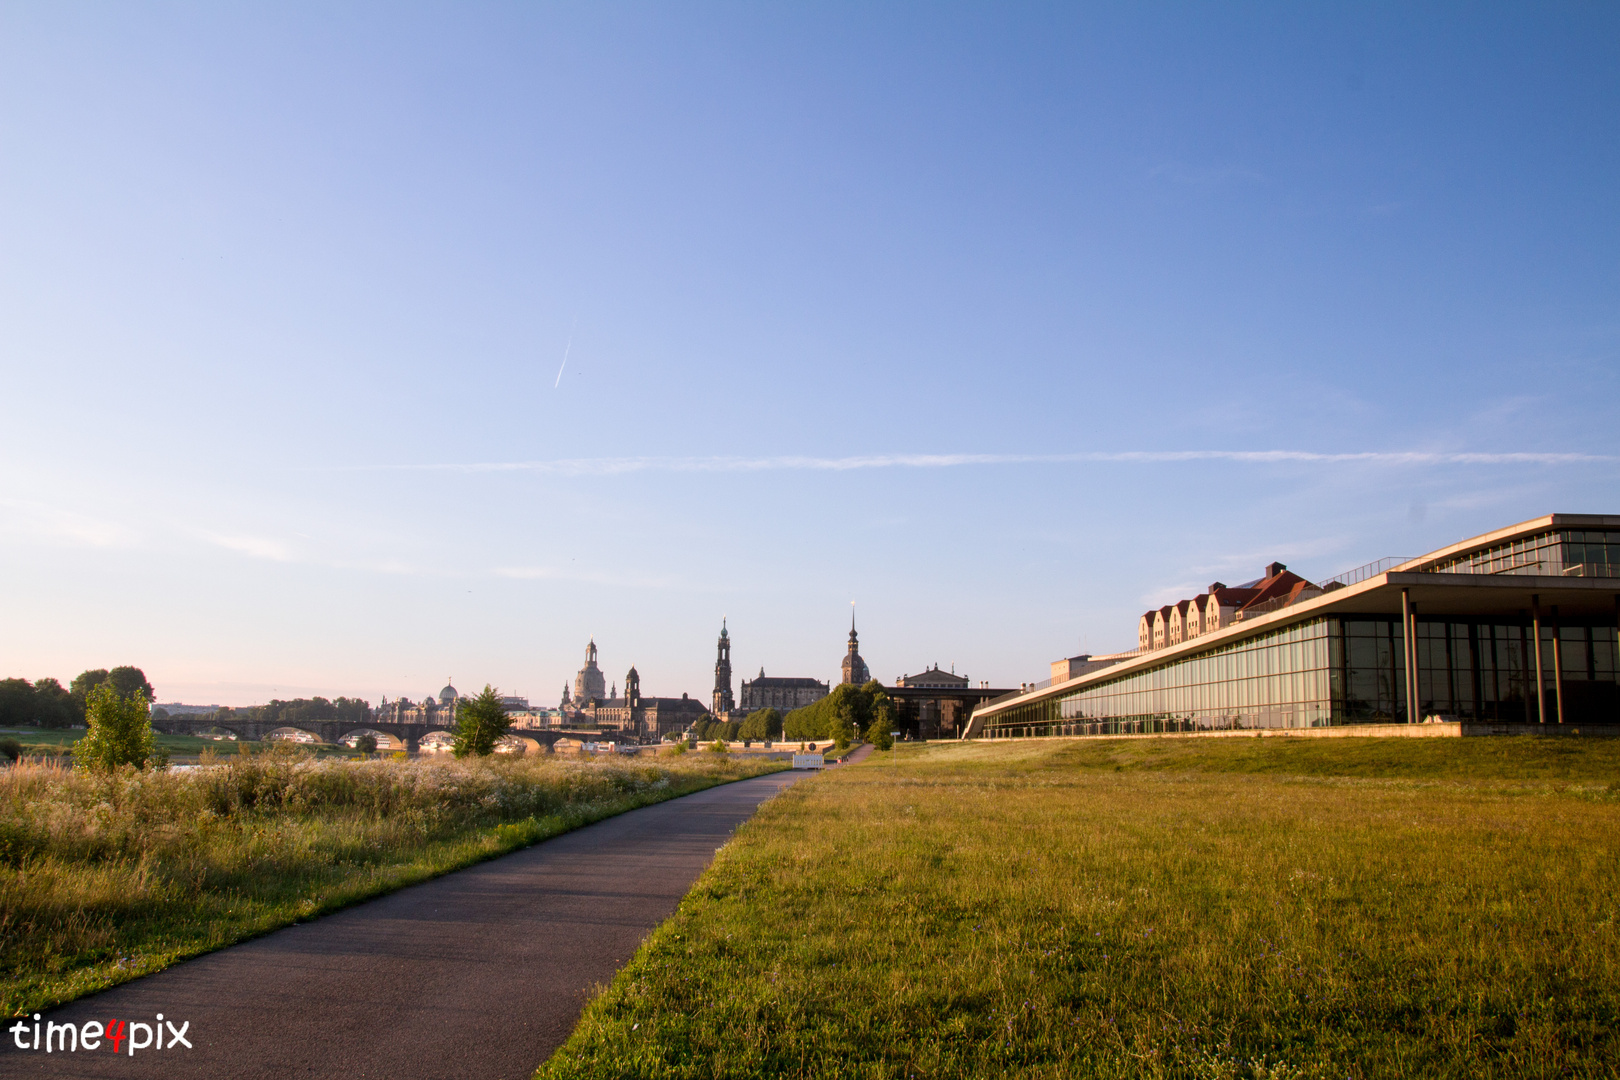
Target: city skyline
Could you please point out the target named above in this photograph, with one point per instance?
(353, 347)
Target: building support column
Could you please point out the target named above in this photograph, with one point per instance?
(1541, 688)
(1409, 651)
(1558, 666)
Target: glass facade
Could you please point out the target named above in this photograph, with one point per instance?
(1344, 670)
(1575, 552)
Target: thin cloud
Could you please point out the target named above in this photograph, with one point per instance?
(258, 547)
(42, 521)
(617, 466)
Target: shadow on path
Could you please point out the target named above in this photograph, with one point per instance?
(481, 973)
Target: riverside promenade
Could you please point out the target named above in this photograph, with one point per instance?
(480, 973)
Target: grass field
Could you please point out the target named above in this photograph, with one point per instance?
(107, 877)
(1146, 907)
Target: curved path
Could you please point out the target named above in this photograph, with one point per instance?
(480, 973)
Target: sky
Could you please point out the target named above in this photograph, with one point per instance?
(348, 347)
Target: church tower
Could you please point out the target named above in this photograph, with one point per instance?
(723, 701)
(855, 670)
(589, 685)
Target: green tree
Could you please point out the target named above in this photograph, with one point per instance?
(843, 732)
(480, 722)
(760, 726)
(855, 706)
(877, 733)
(54, 704)
(125, 680)
(120, 730)
(17, 705)
(366, 744)
(882, 722)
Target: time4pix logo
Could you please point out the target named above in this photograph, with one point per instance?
(119, 1036)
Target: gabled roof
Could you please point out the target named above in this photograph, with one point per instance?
(778, 682)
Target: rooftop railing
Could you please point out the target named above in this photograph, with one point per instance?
(1590, 569)
(1362, 573)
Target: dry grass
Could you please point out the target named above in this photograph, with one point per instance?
(1147, 908)
(105, 877)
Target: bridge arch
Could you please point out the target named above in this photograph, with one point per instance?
(516, 745)
(293, 735)
(385, 741)
(217, 732)
(436, 742)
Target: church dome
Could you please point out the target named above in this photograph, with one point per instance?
(448, 694)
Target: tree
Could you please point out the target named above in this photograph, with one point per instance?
(120, 730)
(843, 732)
(125, 680)
(761, 726)
(882, 722)
(366, 744)
(53, 705)
(44, 704)
(480, 722)
(16, 703)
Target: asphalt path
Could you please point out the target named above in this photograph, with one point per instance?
(479, 973)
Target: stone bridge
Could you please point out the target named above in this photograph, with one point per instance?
(335, 731)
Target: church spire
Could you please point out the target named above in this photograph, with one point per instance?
(722, 701)
(854, 668)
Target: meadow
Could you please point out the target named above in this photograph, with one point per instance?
(108, 876)
(1149, 907)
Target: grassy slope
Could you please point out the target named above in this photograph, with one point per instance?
(1172, 907)
(106, 879)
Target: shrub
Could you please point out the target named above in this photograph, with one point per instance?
(717, 747)
(679, 747)
(120, 731)
(10, 749)
(366, 744)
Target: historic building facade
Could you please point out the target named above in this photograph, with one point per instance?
(432, 709)
(781, 694)
(936, 704)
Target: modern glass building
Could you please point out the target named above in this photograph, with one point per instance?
(1518, 626)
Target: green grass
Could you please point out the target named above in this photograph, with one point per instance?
(1147, 908)
(107, 877)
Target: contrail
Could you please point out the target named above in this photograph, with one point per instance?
(614, 466)
(566, 348)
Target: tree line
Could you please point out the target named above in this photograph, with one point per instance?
(46, 703)
(841, 715)
(287, 713)
(761, 726)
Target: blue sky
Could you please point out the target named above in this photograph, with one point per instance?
(1005, 321)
